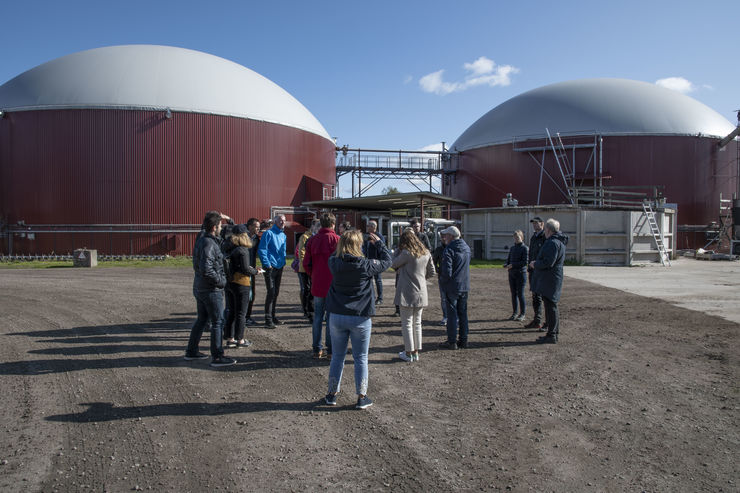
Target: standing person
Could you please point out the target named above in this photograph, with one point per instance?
(316, 262)
(304, 278)
(350, 302)
(208, 289)
(516, 263)
(239, 289)
(272, 255)
(253, 227)
(414, 266)
(548, 277)
(535, 244)
(454, 276)
(372, 250)
(344, 226)
(437, 258)
(422, 236)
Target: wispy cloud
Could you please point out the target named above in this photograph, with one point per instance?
(677, 84)
(482, 71)
(407, 79)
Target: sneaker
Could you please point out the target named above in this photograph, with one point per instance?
(364, 402)
(443, 322)
(222, 361)
(534, 324)
(277, 321)
(331, 399)
(230, 344)
(197, 356)
(513, 316)
(548, 339)
(269, 324)
(405, 356)
(244, 343)
(415, 357)
(448, 345)
(379, 301)
(250, 322)
(462, 344)
(520, 318)
(318, 354)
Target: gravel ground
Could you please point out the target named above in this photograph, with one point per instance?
(639, 395)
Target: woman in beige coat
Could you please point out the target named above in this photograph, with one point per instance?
(414, 266)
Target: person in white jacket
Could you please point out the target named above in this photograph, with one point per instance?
(414, 266)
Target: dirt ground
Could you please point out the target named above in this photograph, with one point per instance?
(639, 395)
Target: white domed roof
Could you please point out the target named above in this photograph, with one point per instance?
(155, 77)
(587, 106)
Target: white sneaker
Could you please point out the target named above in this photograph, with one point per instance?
(405, 356)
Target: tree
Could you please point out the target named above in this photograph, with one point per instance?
(390, 190)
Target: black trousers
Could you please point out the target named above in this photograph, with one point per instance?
(304, 280)
(552, 317)
(536, 303)
(272, 288)
(237, 300)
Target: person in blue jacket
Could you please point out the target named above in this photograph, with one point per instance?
(271, 251)
(454, 280)
(547, 279)
(516, 264)
(351, 302)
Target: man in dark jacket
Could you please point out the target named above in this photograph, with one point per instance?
(253, 227)
(454, 278)
(548, 277)
(208, 289)
(372, 250)
(535, 244)
(423, 238)
(437, 259)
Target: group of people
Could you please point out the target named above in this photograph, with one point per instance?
(337, 274)
(543, 260)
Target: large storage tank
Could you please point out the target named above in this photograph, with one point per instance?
(616, 133)
(124, 148)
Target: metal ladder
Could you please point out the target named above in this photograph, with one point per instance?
(657, 235)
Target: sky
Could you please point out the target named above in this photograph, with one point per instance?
(406, 74)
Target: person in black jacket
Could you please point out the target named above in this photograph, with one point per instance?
(437, 259)
(208, 289)
(253, 227)
(535, 244)
(238, 289)
(351, 302)
(516, 263)
(423, 238)
(548, 277)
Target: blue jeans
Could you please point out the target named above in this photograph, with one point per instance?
(457, 314)
(344, 327)
(210, 307)
(319, 309)
(379, 287)
(517, 280)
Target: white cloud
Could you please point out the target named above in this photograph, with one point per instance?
(407, 79)
(482, 71)
(676, 84)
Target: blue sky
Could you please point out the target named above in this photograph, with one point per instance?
(370, 71)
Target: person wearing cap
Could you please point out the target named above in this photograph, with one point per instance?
(454, 277)
(535, 244)
(548, 277)
(239, 288)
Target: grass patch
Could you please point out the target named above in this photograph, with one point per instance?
(486, 264)
(176, 262)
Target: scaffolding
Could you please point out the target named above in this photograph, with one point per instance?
(375, 165)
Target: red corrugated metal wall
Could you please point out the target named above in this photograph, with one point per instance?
(692, 169)
(138, 167)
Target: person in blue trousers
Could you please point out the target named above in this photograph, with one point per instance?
(454, 278)
(351, 302)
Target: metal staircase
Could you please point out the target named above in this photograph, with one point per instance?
(655, 231)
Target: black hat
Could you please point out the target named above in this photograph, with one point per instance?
(536, 219)
(240, 229)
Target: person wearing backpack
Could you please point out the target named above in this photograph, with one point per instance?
(240, 275)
